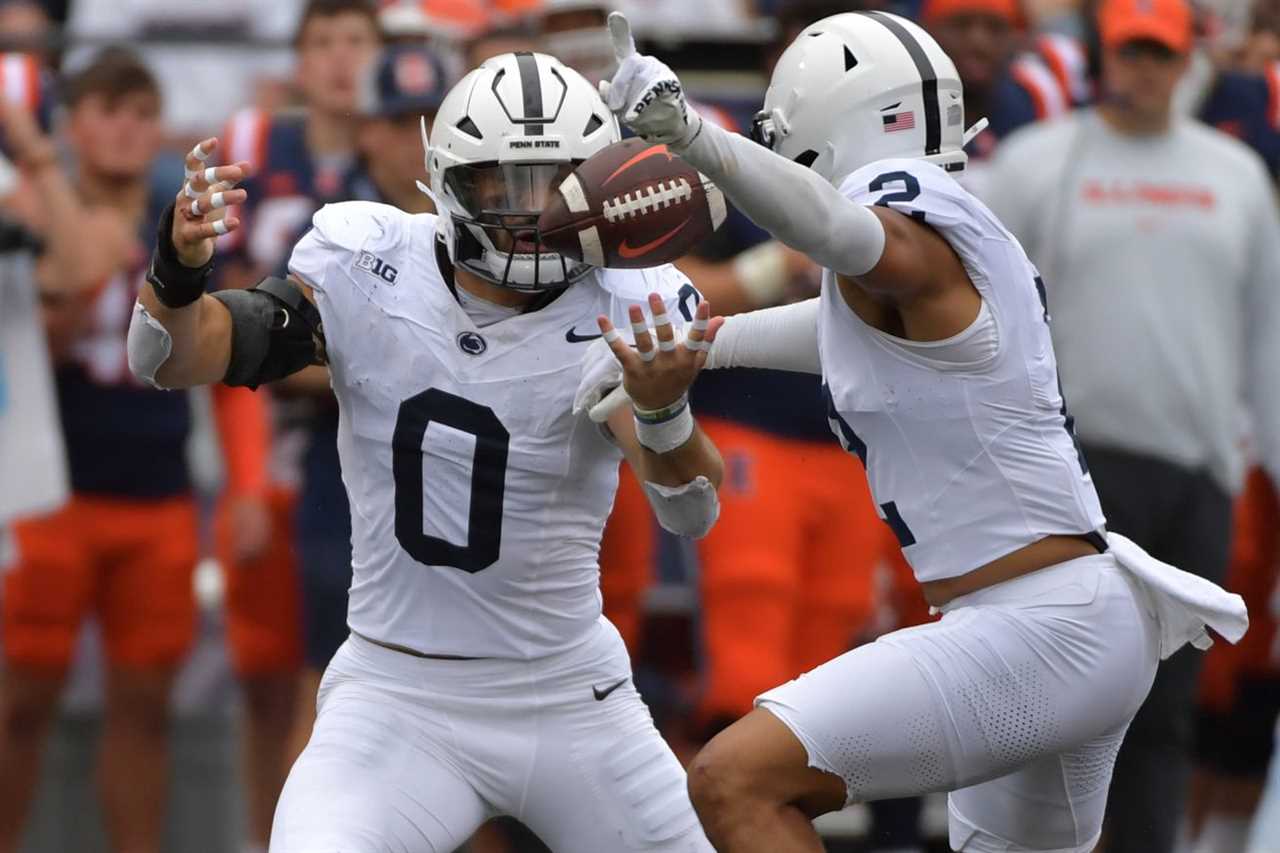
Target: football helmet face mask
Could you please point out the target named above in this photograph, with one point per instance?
(859, 87)
(504, 138)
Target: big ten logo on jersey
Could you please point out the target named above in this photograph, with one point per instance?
(102, 350)
(374, 265)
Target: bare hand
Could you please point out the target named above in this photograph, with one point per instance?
(200, 209)
(29, 144)
(656, 376)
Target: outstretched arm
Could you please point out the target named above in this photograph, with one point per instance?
(882, 248)
(197, 326)
(784, 337)
(179, 335)
(790, 201)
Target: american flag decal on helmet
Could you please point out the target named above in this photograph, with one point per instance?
(899, 121)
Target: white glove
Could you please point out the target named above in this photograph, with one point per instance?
(646, 94)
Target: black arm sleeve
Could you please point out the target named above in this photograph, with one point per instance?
(275, 331)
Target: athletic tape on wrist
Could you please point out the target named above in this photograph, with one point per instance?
(175, 284)
(666, 436)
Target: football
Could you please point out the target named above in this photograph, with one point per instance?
(632, 205)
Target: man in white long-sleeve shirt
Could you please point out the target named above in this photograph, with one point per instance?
(1159, 244)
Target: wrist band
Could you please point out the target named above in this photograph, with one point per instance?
(668, 435)
(666, 413)
(663, 430)
(176, 285)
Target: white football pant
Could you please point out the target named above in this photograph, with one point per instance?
(411, 755)
(1016, 702)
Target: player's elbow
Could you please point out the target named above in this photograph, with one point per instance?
(688, 510)
(149, 347)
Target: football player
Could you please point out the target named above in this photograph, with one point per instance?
(479, 677)
(932, 338)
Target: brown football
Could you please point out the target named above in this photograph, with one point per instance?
(632, 205)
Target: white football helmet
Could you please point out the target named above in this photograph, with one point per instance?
(504, 138)
(859, 87)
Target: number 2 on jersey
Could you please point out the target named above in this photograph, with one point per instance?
(488, 479)
(910, 191)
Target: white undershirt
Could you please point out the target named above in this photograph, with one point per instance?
(974, 346)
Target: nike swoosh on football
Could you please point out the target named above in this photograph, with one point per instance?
(601, 694)
(627, 251)
(573, 337)
(651, 151)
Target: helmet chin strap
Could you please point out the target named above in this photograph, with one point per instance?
(977, 127)
(426, 190)
(426, 164)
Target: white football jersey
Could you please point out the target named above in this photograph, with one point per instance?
(966, 463)
(477, 498)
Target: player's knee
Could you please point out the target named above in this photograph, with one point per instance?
(718, 784)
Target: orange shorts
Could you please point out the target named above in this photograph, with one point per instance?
(789, 572)
(263, 601)
(627, 554)
(129, 562)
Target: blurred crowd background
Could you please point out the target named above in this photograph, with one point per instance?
(174, 567)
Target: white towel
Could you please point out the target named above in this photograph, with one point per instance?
(1185, 603)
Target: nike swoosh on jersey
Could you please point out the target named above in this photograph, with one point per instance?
(602, 694)
(573, 337)
(627, 251)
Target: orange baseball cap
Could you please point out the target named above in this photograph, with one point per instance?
(1166, 21)
(933, 10)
